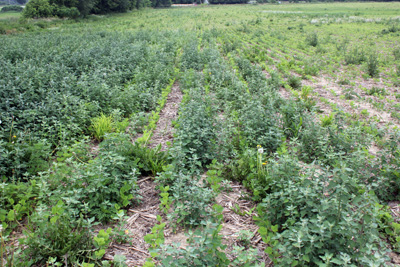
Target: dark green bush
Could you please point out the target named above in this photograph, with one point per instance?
(326, 143)
(57, 236)
(191, 202)
(98, 188)
(312, 39)
(12, 8)
(355, 56)
(260, 124)
(313, 217)
(372, 65)
(21, 157)
(67, 12)
(294, 82)
(196, 131)
(191, 57)
(38, 9)
(205, 248)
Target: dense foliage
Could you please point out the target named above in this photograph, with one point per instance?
(76, 8)
(13, 2)
(12, 8)
(102, 75)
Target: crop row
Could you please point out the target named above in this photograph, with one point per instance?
(53, 85)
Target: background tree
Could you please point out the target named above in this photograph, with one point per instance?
(85, 7)
(38, 9)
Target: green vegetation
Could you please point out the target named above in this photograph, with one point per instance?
(12, 8)
(75, 8)
(81, 101)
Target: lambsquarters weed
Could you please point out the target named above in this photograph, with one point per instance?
(204, 248)
(305, 215)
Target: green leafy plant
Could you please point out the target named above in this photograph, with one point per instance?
(306, 229)
(327, 120)
(204, 248)
(372, 65)
(55, 235)
(355, 56)
(245, 257)
(101, 241)
(312, 39)
(190, 201)
(294, 82)
(166, 202)
(377, 91)
(156, 238)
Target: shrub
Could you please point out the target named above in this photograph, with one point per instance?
(372, 65)
(204, 248)
(99, 188)
(326, 143)
(16, 202)
(312, 39)
(191, 202)
(57, 236)
(21, 157)
(12, 8)
(260, 125)
(196, 131)
(386, 183)
(396, 53)
(305, 217)
(355, 56)
(294, 82)
(67, 12)
(191, 57)
(38, 9)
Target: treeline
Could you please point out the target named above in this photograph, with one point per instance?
(12, 2)
(82, 8)
(12, 8)
(266, 1)
(228, 1)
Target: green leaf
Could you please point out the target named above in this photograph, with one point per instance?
(306, 258)
(262, 231)
(11, 215)
(269, 251)
(337, 261)
(100, 253)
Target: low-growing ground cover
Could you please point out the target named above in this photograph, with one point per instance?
(296, 103)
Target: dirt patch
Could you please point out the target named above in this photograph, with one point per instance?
(238, 215)
(141, 219)
(164, 132)
(332, 91)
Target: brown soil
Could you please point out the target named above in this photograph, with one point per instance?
(233, 223)
(141, 219)
(164, 132)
